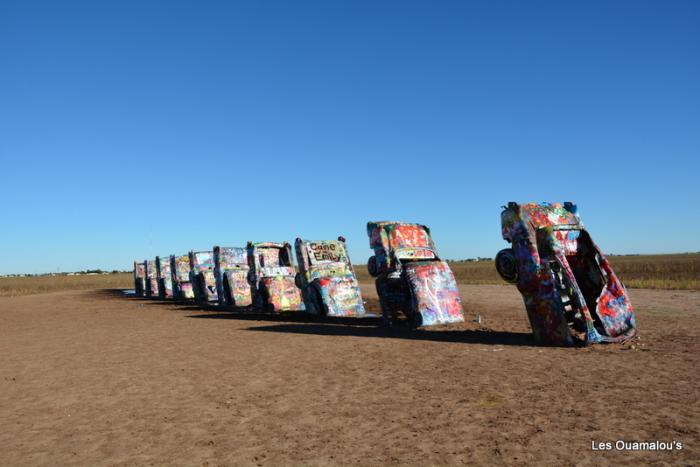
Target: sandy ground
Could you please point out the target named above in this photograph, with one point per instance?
(95, 378)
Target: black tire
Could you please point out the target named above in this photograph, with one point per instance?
(228, 297)
(416, 320)
(387, 317)
(372, 268)
(202, 287)
(507, 265)
(322, 312)
(387, 311)
(266, 306)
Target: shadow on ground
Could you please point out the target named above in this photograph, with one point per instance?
(466, 336)
(300, 323)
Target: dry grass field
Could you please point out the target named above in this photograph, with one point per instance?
(14, 286)
(679, 271)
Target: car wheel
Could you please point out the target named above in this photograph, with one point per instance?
(372, 268)
(228, 297)
(387, 312)
(507, 265)
(416, 320)
(322, 312)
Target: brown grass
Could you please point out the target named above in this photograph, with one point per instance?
(678, 271)
(12, 286)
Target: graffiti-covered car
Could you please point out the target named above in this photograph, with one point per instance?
(180, 269)
(231, 276)
(327, 279)
(139, 278)
(151, 278)
(202, 276)
(272, 277)
(410, 276)
(165, 277)
(570, 290)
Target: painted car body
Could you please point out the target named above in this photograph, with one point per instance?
(272, 277)
(410, 276)
(165, 277)
(151, 278)
(202, 276)
(180, 270)
(231, 275)
(569, 288)
(139, 278)
(327, 279)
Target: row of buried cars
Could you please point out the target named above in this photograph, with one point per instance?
(571, 294)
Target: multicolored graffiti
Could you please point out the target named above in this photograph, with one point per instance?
(202, 276)
(569, 288)
(151, 278)
(327, 279)
(435, 292)
(272, 277)
(165, 277)
(231, 275)
(409, 275)
(139, 278)
(180, 269)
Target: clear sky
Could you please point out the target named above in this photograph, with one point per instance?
(135, 129)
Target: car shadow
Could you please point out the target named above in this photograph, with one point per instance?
(244, 313)
(464, 336)
(301, 323)
(283, 317)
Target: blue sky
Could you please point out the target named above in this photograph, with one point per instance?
(135, 129)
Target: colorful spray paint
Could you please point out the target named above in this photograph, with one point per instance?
(571, 294)
(231, 276)
(202, 276)
(165, 277)
(180, 270)
(151, 278)
(272, 277)
(410, 277)
(139, 278)
(327, 279)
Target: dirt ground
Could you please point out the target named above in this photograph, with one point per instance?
(98, 378)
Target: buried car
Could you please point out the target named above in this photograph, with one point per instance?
(231, 276)
(410, 276)
(180, 269)
(272, 277)
(139, 278)
(165, 277)
(327, 279)
(202, 276)
(151, 278)
(569, 288)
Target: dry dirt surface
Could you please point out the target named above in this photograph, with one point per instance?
(98, 378)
